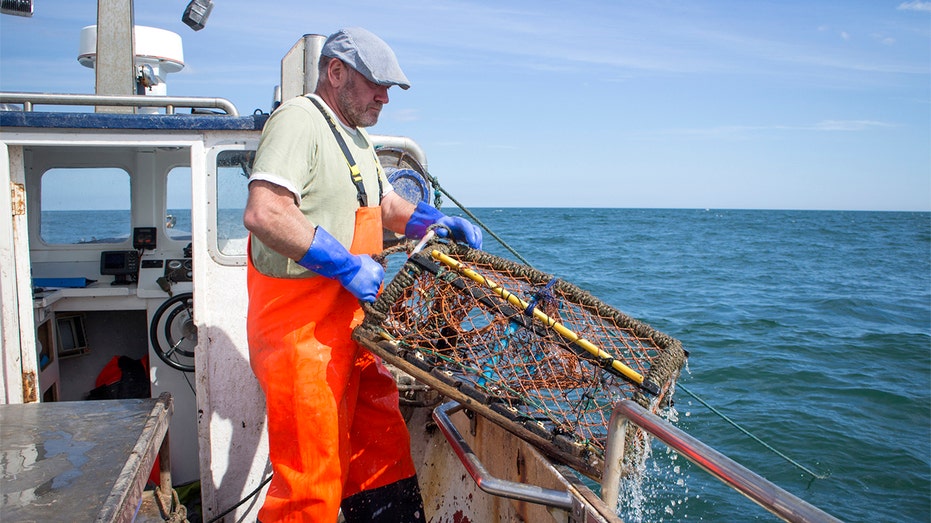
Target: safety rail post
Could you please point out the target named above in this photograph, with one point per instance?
(762, 491)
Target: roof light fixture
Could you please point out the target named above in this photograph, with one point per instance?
(16, 7)
(196, 13)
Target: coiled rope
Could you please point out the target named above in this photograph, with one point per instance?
(437, 189)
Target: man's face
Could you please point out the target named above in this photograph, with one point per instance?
(360, 101)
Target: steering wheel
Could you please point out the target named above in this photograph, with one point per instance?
(173, 332)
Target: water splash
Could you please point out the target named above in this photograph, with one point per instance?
(656, 488)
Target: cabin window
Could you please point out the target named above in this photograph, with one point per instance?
(85, 205)
(233, 170)
(178, 213)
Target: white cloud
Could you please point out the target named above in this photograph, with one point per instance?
(883, 39)
(745, 131)
(915, 5)
(848, 125)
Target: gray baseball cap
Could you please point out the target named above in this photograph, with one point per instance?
(367, 54)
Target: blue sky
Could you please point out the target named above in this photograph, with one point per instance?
(703, 104)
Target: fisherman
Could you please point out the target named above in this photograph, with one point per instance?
(318, 200)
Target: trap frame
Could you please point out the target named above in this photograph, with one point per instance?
(539, 356)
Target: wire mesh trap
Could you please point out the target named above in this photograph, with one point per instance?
(537, 355)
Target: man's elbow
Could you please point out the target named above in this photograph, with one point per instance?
(253, 219)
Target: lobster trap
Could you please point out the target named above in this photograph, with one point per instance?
(536, 355)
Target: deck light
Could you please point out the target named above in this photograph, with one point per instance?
(196, 13)
(16, 7)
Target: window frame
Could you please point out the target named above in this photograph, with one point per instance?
(40, 222)
(217, 253)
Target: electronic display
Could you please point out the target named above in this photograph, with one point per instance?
(144, 237)
(122, 264)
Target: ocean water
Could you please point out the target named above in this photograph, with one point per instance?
(115, 226)
(809, 329)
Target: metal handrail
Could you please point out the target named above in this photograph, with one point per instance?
(168, 102)
(769, 496)
(483, 479)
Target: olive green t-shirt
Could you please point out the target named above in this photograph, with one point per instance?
(298, 151)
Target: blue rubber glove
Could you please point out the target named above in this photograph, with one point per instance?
(360, 275)
(462, 230)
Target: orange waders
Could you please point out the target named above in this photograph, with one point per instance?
(334, 427)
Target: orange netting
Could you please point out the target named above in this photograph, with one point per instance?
(455, 330)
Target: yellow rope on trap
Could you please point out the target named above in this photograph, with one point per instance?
(572, 337)
(461, 327)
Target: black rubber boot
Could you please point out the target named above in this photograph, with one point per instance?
(398, 502)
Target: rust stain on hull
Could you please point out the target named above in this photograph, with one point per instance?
(30, 387)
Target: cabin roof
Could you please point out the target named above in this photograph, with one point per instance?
(173, 122)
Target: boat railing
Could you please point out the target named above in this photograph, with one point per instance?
(483, 479)
(169, 103)
(769, 496)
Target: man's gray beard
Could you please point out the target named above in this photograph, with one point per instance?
(354, 117)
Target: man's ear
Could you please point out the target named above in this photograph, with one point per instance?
(336, 72)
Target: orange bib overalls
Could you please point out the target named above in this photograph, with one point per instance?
(334, 426)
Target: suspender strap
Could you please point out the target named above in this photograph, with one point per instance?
(354, 171)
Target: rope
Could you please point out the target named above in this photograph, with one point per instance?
(436, 184)
(178, 514)
(753, 437)
(815, 475)
(544, 294)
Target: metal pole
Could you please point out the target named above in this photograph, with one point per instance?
(762, 491)
(614, 461)
(115, 62)
(483, 479)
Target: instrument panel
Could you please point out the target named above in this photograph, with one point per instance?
(179, 270)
